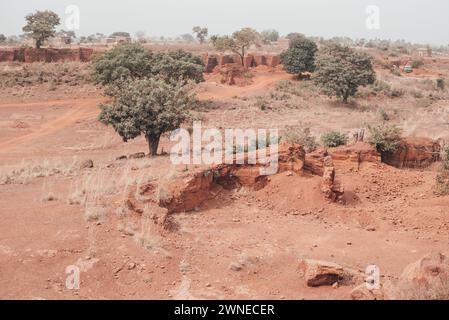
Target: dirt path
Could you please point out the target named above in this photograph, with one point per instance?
(261, 84)
(79, 109)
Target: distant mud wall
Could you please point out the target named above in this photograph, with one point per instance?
(46, 55)
(251, 60)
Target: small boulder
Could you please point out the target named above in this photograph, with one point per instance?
(323, 273)
(414, 153)
(137, 155)
(362, 292)
(427, 278)
(87, 164)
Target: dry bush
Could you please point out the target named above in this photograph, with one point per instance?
(301, 136)
(442, 178)
(26, 171)
(53, 74)
(438, 291)
(304, 89)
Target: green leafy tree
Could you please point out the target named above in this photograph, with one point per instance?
(341, 70)
(123, 61)
(120, 34)
(385, 138)
(300, 56)
(238, 43)
(41, 26)
(201, 33)
(187, 37)
(135, 62)
(67, 36)
(269, 36)
(334, 139)
(178, 65)
(2, 38)
(294, 35)
(149, 107)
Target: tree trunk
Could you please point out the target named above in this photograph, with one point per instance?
(243, 57)
(38, 43)
(153, 144)
(345, 97)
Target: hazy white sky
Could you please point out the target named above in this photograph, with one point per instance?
(424, 21)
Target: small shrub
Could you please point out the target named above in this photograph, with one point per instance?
(397, 92)
(384, 115)
(440, 84)
(302, 137)
(424, 102)
(416, 94)
(385, 138)
(381, 86)
(334, 139)
(417, 63)
(50, 197)
(261, 103)
(442, 178)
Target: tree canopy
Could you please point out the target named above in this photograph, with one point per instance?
(134, 61)
(201, 33)
(148, 106)
(41, 26)
(300, 56)
(341, 70)
(239, 42)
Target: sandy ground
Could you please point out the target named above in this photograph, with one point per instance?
(391, 217)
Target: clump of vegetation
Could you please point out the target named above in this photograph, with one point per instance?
(417, 63)
(334, 139)
(384, 115)
(269, 36)
(424, 102)
(341, 71)
(300, 56)
(135, 62)
(442, 178)
(302, 137)
(440, 84)
(53, 74)
(149, 106)
(239, 42)
(201, 33)
(41, 26)
(385, 138)
(261, 103)
(303, 89)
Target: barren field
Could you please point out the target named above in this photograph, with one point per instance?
(241, 242)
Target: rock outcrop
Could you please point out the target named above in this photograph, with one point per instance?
(347, 157)
(189, 192)
(331, 187)
(318, 273)
(414, 153)
(251, 60)
(427, 278)
(362, 292)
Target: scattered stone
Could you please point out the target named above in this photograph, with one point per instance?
(87, 164)
(137, 155)
(323, 273)
(235, 266)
